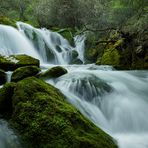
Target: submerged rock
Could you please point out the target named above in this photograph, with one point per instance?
(54, 72)
(24, 72)
(3, 77)
(43, 118)
(13, 62)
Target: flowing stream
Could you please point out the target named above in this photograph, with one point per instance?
(116, 101)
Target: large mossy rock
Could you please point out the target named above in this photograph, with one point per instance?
(44, 119)
(6, 93)
(3, 77)
(53, 72)
(15, 61)
(24, 72)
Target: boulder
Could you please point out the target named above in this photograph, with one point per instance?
(44, 118)
(23, 72)
(3, 77)
(53, 72)
(13, 62)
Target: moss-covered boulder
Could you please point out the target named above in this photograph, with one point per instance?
(44, 119)
(53, 72)
(6, 93)
(10, 63)
(23, 72)
(3, 77)
(111, 57)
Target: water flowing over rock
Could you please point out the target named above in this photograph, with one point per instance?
(51, 46)
(116, 101)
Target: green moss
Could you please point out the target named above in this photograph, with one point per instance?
(25, 60)
(110, 57)
(67, 33)
(23, 72)
(118, 43)
(6, 63)
(3, 77)
(7, 21)
(15, 61)
(44, 119)
(6, 94)
(54, 72)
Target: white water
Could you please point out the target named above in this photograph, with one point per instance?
(121, 112)
(116, 101)
(7, 137)
(52, 47)
(12, 42)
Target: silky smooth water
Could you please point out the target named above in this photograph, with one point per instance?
(8, 139)
(120, 111)
(116, 101)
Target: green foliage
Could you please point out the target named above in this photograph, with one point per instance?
(7, 21)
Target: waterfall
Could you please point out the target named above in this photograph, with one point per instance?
(51, 46)
(115, 101)
(13, 42)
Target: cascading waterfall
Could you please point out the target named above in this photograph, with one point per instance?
(51, 46)
(116, 101)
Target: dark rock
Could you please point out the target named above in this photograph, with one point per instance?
(3, 77)
(53, 72)
(6, 93)
(23, 72)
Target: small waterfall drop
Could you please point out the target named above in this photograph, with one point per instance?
(80, 46)
(52, 47)
(12, 42)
